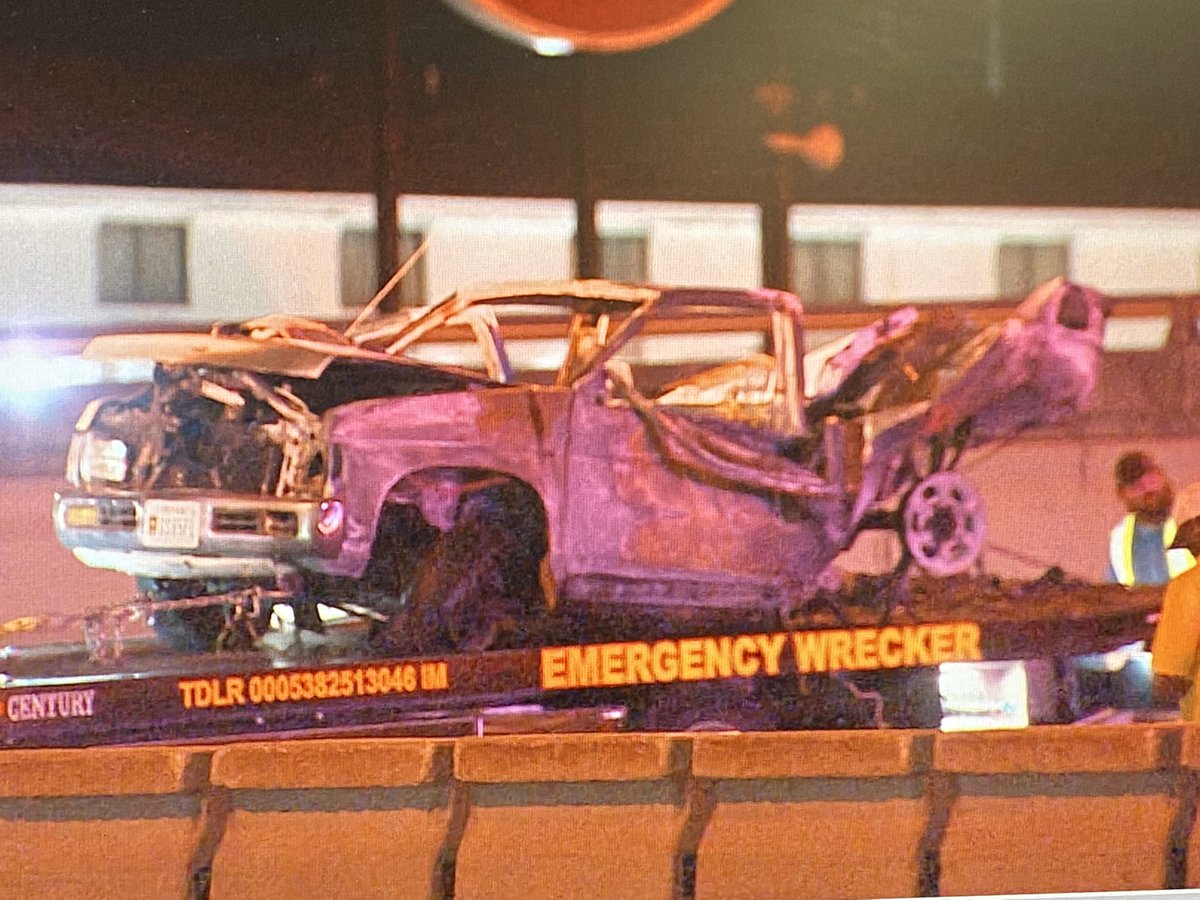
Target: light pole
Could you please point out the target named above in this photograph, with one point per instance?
(387, 147)
(821, 147)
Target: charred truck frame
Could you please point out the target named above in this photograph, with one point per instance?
(456, 506)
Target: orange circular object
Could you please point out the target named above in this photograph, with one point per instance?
(603, 27)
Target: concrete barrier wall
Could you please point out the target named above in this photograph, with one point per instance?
(836, 815)
(797, 815)
(360, 819)
(1056, 809)
(571, 816)
(103, 823)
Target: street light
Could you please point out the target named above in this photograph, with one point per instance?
(822, 146)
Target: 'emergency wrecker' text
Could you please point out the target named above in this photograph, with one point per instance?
(747, 655)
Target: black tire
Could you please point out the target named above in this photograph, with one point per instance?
(402, 539)
(459, 587)
(475, 585)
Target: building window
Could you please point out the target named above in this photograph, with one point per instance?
(826, 273)
(143, 263)
(1023, 265)
(623, 257)
(360, 268)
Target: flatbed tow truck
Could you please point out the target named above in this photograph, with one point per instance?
(853, 664)
(603, 551)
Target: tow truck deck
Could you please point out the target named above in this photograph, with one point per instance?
(294, 686)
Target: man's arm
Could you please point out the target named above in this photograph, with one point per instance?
(1173, 650)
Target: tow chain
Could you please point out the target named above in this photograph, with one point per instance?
(103, 626)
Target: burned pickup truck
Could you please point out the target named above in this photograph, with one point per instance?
(455, 504)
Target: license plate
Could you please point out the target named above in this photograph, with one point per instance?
(171, 524)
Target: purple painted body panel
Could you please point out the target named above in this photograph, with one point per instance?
(387, 445)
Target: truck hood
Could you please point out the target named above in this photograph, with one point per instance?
(295, 357)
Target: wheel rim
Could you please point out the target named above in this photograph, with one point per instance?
(944, 524)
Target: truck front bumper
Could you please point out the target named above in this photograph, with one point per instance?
(192, 536)
(146, 564)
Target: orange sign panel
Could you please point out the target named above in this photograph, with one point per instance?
(611, 26)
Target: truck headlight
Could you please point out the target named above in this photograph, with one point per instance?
(100, 459)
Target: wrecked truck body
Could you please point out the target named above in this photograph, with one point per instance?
(458, 502)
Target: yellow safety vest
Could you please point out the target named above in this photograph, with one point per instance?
(1120, 550)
